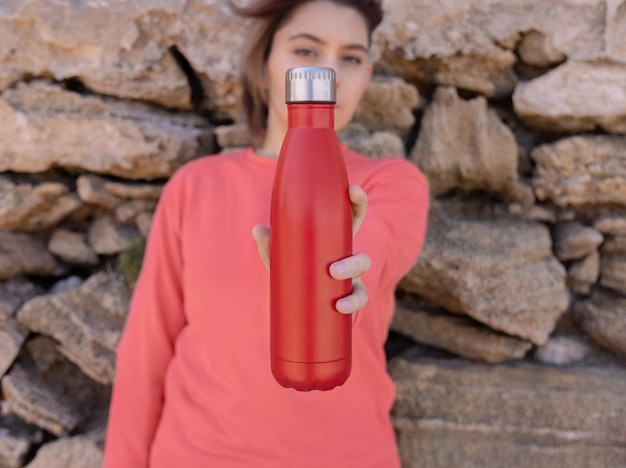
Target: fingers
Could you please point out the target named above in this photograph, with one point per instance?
(261, 235)
(354, 302)
(358, 198)
(350, 267)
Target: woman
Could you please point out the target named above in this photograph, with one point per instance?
(193, 385)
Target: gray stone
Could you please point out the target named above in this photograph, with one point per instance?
(499, 270)
(233, 136)
(143, 223)
(582, 171)
(13, 293)
(463, 145)
(26, 397)
(102, 192)
(575, 97)
(583, 274)
(210, 37)
(536, 49)
(614, 245)
(12, 336)
(66, 284)
(27, 207)
(459, 414)
(457, 334)
(603, 318)
(562, 350)
(45, 389)
(16, 439)
(25, 254)
(74, 452)
(72, 247)
(388, 104)
(574, 240)
(127, 212)
(424, 42)
(86, 320)
(133, 140)
(126, 190)
(614, 223)
(535, 212)
(109, 46)
(615, 30)
(90, 189)
(379, 145)
(613, 272)
(107, 237)
(470, 45)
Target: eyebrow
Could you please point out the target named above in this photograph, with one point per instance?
(319, 41)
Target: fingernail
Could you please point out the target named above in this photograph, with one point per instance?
(343, 305)
(340, 268)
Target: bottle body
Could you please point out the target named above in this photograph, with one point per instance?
(311, 227)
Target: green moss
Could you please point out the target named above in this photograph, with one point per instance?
(129, 263)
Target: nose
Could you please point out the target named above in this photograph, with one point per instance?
(334, 64)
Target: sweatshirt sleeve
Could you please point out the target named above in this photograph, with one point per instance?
(146, 347)
(394, 228)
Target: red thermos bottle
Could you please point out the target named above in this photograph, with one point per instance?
(311, 227)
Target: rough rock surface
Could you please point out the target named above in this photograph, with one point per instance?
(583, 274)
(455, 413)
(107, 237)
(574, 240)
(498, 270)
(72, 247)
(603, 317)
(562, 350)
(133, 140)
(378, 145)
(457, 334)
(388, 104)
(45, 389)
(24, 254)
(28, 207)
(471, 45)
(613, 272)
(463, 145)
(16, 439)
(74, 452)
(612, 223)
(575, 97)
(582, 170)
(87, 322)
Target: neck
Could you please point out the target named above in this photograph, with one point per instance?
(273, 140)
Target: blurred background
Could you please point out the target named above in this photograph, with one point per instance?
(508, 346)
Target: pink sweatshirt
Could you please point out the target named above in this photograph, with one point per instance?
(193, 386)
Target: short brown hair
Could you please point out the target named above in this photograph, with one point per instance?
(269, 16)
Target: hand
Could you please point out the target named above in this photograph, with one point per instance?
(352, 267)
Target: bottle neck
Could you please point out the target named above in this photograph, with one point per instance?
(311, 115)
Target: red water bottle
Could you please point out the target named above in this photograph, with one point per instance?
(311, 227)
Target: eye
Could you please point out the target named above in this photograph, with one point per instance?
(304, 52)
(353, 59)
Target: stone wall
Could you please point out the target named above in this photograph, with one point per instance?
(509, 342)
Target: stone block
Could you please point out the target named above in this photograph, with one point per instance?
(452, 413)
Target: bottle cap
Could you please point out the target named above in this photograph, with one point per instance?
(310, 84)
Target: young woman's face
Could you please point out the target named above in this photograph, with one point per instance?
(320, 34)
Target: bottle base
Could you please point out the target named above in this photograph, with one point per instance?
(307, 376)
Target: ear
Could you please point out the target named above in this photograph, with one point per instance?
(370, 72)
